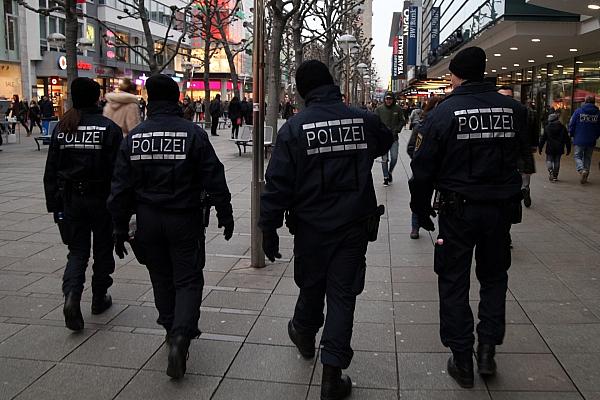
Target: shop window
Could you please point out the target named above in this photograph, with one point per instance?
(122, 51)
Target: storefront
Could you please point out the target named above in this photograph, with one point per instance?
(195, 88)
(10, 80)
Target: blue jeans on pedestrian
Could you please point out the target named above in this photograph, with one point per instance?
(553, 163)
(393, 159)
(583, 157)
(414, 222)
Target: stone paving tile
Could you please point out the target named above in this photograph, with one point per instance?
(116, 349)
(413, 274)
(373, 337)
(157, 386)
(444, 395)
(562, 340)
(256, 390)
(416, 312)
(122, 291)
(557, 312)
(14, 282)
(72, 382)
(280, 306)
(270, 330)
(16, 375)
(241, 300)
(536, 396)
(522, 339)
(271, 363)
(226, 323)
(368, 370)
(427, 371)
(287, 286)
(381, 291)
(48, 285)
(22, 249)
(418, 339)
(37, 263)
(249, 281)
(529, 372)
(26, 307)
(137, 316)
(373, 311)
(7, 330)
(207, 357)
(39, 342)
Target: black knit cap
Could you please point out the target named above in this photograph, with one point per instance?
(85, 93)
(310, 75)
(162, 88)
(469, 64)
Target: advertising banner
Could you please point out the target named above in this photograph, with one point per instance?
(435, 28)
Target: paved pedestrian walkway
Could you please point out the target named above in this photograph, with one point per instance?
(552, 348)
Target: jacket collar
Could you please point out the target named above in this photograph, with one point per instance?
(589, 106)
(91, 110)
(160, 107)
(324, 94)
(469, 87)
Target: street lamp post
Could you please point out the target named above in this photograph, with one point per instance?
(362, 68)
(257, 256)
(346, 43)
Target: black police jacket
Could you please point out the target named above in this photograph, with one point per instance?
(85, 157)
(168, 162)
(321, 165)
(470, 144)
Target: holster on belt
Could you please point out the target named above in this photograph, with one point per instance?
(373, 223)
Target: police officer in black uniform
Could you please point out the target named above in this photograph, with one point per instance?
(77, 178)
(163, 169)
(467, 149)
(320, 173)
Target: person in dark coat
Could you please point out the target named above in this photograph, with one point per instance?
(46, 107)
(215, 111)
(35, 117)
(556, 138)
(81, 157)
(235, 115)
(19, 110)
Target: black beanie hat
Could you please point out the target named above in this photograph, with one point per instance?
(469, 64)
(162, 88)
(85, 93)
(310, 75)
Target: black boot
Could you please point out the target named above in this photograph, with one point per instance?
(460, 367)
(178, 354)
(72, 312)
(305, 345)
(334, 385)
(101, 303)
(485, 359)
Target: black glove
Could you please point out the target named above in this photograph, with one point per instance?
(228, 225)
(271, 245)
(59, 216)
(119, 239)
(425, 221)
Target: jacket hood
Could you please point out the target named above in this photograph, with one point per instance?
(589, 107)
(553, 117)
(325, 93)
(117, 100)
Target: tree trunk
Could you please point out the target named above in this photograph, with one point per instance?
(145, 19)
(70, 47)
(232, 68)
(274, 81)
(206, 77)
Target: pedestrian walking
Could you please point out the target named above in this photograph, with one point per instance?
(393, 117)
(584, 128)
(35, 117)
(288, 109)
(410, 149)
(468, 148)
(235, 115)
(46, 108)
(163, 170)
(188, 109)
(123, 107)
(556, 139)
(248, 116)
(415, 117)
(19, 110)
(199, 105)
(320, 174)
(215, 110)
(77, 178)
(142, 104)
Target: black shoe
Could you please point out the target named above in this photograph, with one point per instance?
(486, 364)
(414, 234)
(101, 303)
(526, 197)
(72, 312)
(334, 385)
(460, 367)
(550, 174)
(178, 354)
(305, 345)
(386, 182)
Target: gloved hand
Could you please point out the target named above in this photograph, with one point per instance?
(119, 239)
(59, 216)
(271, 244)
(228, 225)
(425, 221)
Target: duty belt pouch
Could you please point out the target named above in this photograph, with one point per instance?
(373, 223)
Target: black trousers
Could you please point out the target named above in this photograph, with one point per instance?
(485, 228)
(331, 266)
(172, 246)
(86, 214)
(214, 124)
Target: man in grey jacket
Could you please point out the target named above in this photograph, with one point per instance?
(392, 117)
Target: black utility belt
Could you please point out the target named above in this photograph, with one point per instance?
(453, 198)
(85, 187)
